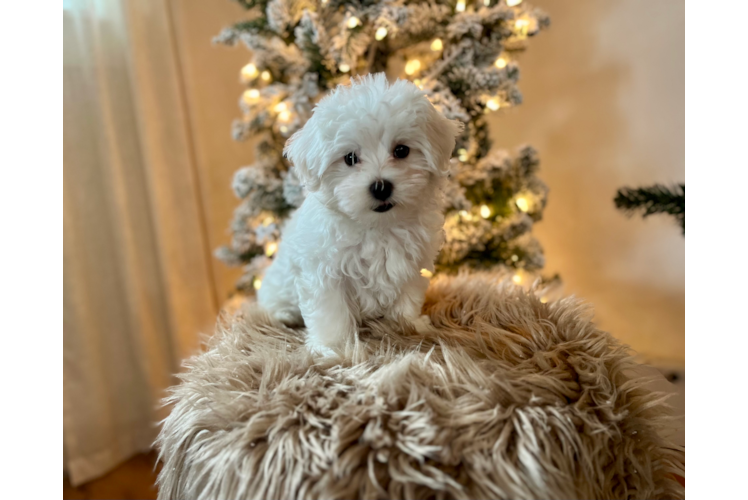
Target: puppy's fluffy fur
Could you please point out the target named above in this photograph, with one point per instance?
(346, 255)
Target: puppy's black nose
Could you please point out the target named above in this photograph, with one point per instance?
(381, 189)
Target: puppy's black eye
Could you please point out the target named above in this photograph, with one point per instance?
(401, 151)
(350, 159)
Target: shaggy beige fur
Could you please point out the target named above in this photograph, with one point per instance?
(506, 398)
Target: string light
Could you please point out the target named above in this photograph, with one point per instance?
(465, 215)
(493, 104)
(324, 2)
(381, 33)
(256, 283)
(280, 107)
(513, 3)
(500, 63)
(284, 116)
(249, 71)
(344, 68)
(485, 211)
(283, 129)
(417, 83)
(268, 220)
(486, 2)
(250, 95)
(271, 248)
(426, 273)
(353, 21)
(462, 154)
(460, 7)
(543, 300)
(522, 25)
(437, 44)
(515, 257)
(517, 278)
(522, 204)
(265, 76)
(412, 66)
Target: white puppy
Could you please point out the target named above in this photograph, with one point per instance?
(372, 158)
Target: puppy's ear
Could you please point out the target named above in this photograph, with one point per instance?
(302, 150)
(441, 133)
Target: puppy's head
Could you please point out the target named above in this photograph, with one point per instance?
(372, 150)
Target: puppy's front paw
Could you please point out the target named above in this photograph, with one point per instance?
(320, 350)
(422, 323)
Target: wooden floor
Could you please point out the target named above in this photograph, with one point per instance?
(133, 480)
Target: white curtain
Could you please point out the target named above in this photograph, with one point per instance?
(138, 288)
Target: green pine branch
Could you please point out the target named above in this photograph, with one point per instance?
(257, 26)
(250, 4)
(657, 199)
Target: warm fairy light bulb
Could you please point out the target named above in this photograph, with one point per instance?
(417, 82)
(462, 154)
(522, 25)
(283, 129)
(249, 71)
(271, 248)
(512, 3)
(280, 107)
(284, 116)
(344, 68)
(256, 283)
(517, 278)
(522, 204)
(515, 257)
(500, 63)
(268, 220)
(426, 273)
(543, 300)
(381, 33)
(465, 214)
(493, 104)
(485, 211)
(250, 95)
(353, 21)
(486, 2)
(324, 2)
(460, 7)
(265, 76)
(412, 66)
(437, 44)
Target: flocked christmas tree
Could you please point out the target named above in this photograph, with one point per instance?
(461, 53)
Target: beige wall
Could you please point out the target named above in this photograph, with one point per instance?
(604, 104)
(212, 87)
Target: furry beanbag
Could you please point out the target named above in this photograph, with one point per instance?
(506, 398)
